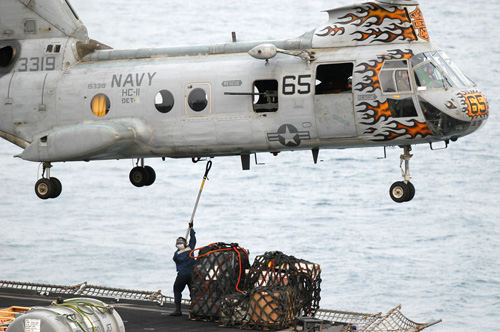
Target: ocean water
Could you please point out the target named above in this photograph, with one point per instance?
(438, 255)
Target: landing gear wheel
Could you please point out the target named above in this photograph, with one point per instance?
(411, 193)
(57, 187)
(139, 176)
(152, 175)
(399, 192)
(403, 191)
(44, 188)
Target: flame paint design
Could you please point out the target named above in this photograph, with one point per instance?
(373, 10)
(390, 36)
(390, 25)
(332, 31)
(369, 82)
(376, 114)
(400, 54)
(415, 129)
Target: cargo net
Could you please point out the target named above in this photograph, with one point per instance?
(277, 269)
(219, 271)
(262, 308)
(279, 288)
(394, 320)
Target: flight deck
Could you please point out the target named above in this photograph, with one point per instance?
(150, 311)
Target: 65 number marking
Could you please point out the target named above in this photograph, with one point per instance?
(476, 104)
(300, 84)
(37, 64)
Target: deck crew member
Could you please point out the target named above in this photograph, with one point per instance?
(184, 265)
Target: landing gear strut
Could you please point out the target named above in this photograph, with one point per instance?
(403, 191)
(48, 187)
(142, 175)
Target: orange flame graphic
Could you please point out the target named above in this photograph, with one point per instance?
(374, 15)
(370, 81)
(418, 128)
(380, 14)
(374, 113)
(407, 34)
(332, 31)
(400, 54)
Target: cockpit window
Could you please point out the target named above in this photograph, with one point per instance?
(457, 73)
(394, 77)
(434, 70)
(428, 76)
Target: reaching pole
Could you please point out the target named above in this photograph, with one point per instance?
(205, 177)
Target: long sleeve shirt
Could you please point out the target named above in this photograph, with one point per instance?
(183, 262)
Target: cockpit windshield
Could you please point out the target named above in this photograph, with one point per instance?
(434, 70)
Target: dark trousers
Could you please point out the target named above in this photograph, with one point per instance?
(180, 283)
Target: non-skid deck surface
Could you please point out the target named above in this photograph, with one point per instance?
(136, 316)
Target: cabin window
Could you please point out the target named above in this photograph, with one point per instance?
(334, 78)
(402, 108)
(164, 101)
(198, 100)
(265, 96)
(7, 55)
(100, 105)
(394, 77)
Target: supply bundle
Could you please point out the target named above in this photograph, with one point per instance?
(279, 289)
(219, 271)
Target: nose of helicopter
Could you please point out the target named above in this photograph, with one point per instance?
(475, 106)
(453, 113)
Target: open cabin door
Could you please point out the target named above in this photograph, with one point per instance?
(333, 101)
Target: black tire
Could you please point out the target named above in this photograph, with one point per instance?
(57, 187)
(139, 176)
(44, 188)
(399, 192)
(152, 175)
(411, 192)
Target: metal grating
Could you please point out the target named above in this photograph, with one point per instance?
(84, 289)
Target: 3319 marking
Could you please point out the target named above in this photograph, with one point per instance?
(37, 64)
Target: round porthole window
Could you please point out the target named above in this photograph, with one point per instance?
(7, 54)
(198, 100)
(164, 101)
(100, 105)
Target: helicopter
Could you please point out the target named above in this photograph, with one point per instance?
(367, 77)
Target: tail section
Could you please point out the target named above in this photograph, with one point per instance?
(31, 28)
(37, 19)
(371, 23)
(37, 40)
